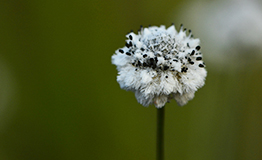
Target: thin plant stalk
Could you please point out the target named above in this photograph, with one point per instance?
(160, 134)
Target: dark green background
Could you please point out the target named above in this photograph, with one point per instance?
(59, 98)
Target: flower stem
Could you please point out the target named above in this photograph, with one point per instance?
(160, 134)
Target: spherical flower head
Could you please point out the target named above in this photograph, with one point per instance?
(160, 64)
(225, 31)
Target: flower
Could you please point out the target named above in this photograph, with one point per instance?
(160, 64)
(230, 29)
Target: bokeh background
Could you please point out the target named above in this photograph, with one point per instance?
(59, 98)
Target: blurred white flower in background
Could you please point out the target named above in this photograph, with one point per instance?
(231, 30)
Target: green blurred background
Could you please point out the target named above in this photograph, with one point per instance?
(59, 98)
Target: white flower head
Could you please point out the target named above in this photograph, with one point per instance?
(160, 64)
(231, 30)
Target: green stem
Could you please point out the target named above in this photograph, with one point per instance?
(160, 134)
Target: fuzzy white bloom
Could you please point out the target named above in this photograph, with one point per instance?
(231, 30)
(160, 64)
